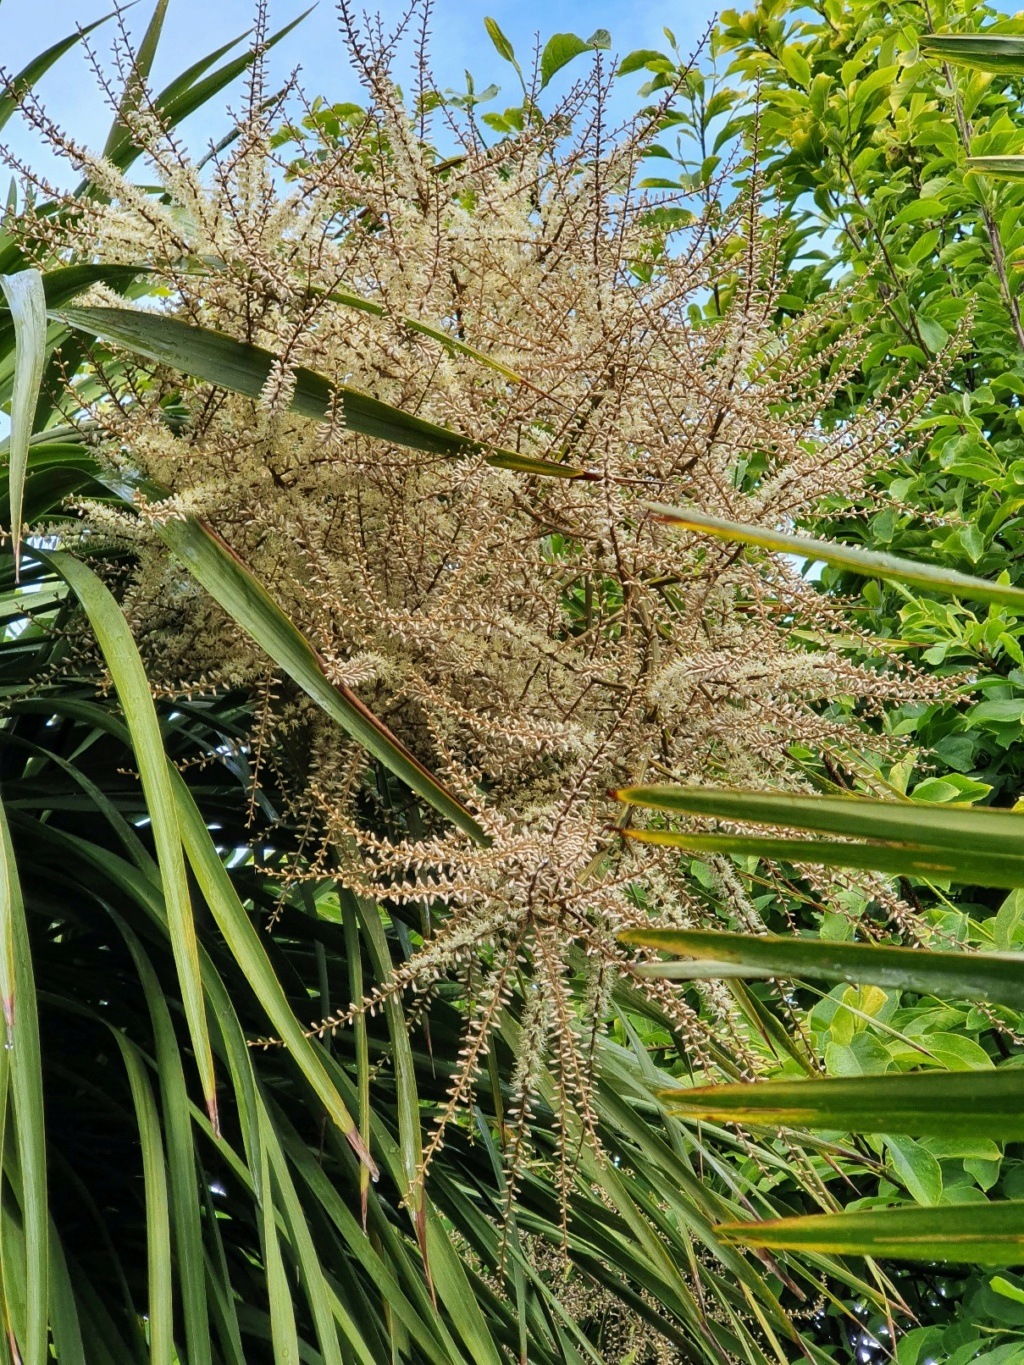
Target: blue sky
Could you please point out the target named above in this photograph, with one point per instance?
(194, 27)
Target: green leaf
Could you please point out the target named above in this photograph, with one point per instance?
(21, 1053)
(797, 66)
(868, 562)
(186, 1224)
(451, 344)
(992, 1234)
(938, 829)
(637, 61)
(215, 565)
(933, 334)
(38, 66)
(999, 711)
(1009, 923)
(122, 659)
(917, 1169)
(186, 93)
(972, 1104)
(559, 50)
(27, 302)
(996, 52)
(284, 1336)
(304, 1252)
(365, 915)
(957, 1053)
(918, 209)
(134, 89)
(62, 284)
(1009, 1291)
(251, 956)
(958, 976)
(998, 167)
(242, 368)
(158, 1221)
(950, 787)
(904, 860)
(444, 1267)
(502, 45)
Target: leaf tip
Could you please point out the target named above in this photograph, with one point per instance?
(213, 1113)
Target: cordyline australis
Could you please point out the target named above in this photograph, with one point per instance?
(532, 640)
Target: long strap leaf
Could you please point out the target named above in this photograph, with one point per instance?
(215, 565)
(231, 584)
(869, 562)
(228, 911)
(998, 167)
(284, 1336)
(61, 285)
(184, 1206)
(987, 1104)
(137, 77)
(989, 1234)
(360, 304)
(243, 368)
(1002, 53)
(898, 860)
(129, 676)
(158, 1219)
(22, 1056)
(251, 956)
(938, 828)
(958, 976)
(27, 302)
(408, 1104)
(37, 67)
(187, 92)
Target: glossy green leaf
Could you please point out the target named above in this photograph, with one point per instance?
(1008, 1290)
(559, 50)
(915, 1168)
(869, 562)
(958, 976)
(637, 61)
(502, 45)
(986, 1104)
(219, 359)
